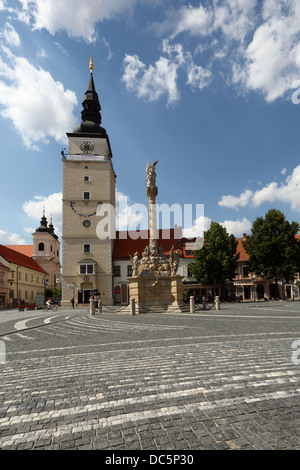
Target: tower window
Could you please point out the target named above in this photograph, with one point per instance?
(86, 269)
(41, 247)
(86, 178)
(86, 195)
(87, 248)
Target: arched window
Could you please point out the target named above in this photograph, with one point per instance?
(41, 247)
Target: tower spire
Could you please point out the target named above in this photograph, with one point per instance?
(90, 115)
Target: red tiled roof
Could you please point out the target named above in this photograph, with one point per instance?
(26, 250)
(126, 244)
(14, 256)
(241, 250)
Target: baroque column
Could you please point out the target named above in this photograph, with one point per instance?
(152, 191)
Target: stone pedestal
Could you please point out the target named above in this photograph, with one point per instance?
(159, 293)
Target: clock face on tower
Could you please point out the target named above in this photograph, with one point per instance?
(82, 210)
(87, 147)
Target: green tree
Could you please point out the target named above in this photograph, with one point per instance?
(273, 249)
(216, 261)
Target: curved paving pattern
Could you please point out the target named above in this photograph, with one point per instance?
(154, 383)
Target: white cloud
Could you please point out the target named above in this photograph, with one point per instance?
(58, 15)
(29, 229)
(161, 78)
(234, 227)
(52, 205)
(151, 82)
(201, 224)
(109, 51)
(27, 94)
(129, 216)
(10, 35)
(11, 238)
(234, 202)
(287, 192)
(232, 17)
(260, 41)
(237, 227)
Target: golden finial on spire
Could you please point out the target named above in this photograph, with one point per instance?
(91, 64)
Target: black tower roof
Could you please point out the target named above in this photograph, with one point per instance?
(91, 116)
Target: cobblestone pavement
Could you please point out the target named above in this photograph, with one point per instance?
(210, 380)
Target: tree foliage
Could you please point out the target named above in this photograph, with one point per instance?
(216, 261)
(273, 249)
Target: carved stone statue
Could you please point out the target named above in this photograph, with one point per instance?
(135, 264)
(151, 175)
(174, 261)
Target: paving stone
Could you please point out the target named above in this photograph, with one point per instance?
(217, 386)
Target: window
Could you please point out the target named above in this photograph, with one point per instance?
(41, 247)
(87, 248)
(245, 271)
(86, 195)
(117, 270)
(86, 178)
(129, 270)
(86, 269)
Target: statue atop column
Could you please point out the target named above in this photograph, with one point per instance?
(153, 262)
(152, 189)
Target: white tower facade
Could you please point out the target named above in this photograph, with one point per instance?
(88, 184)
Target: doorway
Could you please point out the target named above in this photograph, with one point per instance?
(247, 292)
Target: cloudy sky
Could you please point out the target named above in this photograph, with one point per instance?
(210, 89)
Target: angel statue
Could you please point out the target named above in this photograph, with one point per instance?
(151, 175)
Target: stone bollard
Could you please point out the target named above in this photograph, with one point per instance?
(100, 306)
(92, 307)
(132, 306)
(217, 303)
(192, 304)
(204, 303)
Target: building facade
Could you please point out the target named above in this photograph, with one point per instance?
(25, 278)
(88, 187)
(245, 286)
(4, 286)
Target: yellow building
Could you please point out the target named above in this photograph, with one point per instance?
(26, 279)
(88, 185)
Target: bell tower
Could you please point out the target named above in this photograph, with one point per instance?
(88, 183)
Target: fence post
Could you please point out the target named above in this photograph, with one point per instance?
(192, 304)
(217, 303)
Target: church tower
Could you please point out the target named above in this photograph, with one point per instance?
(46, 252)
(88, 183)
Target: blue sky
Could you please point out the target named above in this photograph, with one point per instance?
(210, 89)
